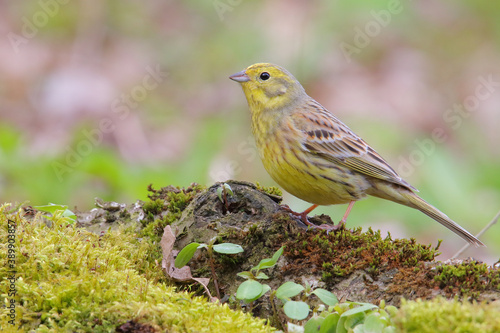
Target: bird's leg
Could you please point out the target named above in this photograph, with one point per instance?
(304, 214)
(344, 218)
(328, 228)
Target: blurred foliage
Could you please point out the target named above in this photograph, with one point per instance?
(441, 315)
(65, 66)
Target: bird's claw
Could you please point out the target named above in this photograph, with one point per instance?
(289, 210)
(328, 227)
(303, 217)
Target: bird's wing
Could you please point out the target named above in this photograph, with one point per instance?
(327, 137)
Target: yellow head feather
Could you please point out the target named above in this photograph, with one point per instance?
(268, 86)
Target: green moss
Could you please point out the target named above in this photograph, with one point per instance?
(69, 279)
(272, 190)
(440, 315)
(154, 207)
(345, 251)
(468, 278)
(165, 207)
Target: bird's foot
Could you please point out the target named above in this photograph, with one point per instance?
(289, 210)
(303, 215)
(330, 227)
(303, 218)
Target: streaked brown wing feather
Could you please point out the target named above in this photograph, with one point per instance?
(326, 136)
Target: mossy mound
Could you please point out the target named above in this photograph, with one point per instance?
(72, 280)
(69, 279)
(357, 265)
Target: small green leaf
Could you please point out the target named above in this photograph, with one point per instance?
(373, 323)
(246, 275)
(341, 325)
(224, 188)
(186, 254)
(262, 276)
(228, 248)
(361, 329)
(392, 310)
(288, 289)
(265, 289)
(219, 193)
(296, 310)
(249, 290)
(383, 313)
(325, 296)
(228, 189)
(330, 323)
(354, 320)
(342, 307)
(313, 325)
(278, 254)
(264, 263)
(269, 262)
(52, 208)
(363, 308)
(69, 214)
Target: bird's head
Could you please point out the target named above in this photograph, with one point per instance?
(268, 86)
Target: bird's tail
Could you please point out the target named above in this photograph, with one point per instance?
(409, 198)
(434, 213)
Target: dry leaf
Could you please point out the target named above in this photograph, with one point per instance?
(167, 264)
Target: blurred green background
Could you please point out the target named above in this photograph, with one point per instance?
(100, 98)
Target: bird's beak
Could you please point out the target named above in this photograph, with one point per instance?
(240, 77)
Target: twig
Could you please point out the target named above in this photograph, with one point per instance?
(212, 267)
(492, 222)
(273, 306)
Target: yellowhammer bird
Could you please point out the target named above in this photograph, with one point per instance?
(315, 156)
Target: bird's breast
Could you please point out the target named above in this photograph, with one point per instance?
(302, 174)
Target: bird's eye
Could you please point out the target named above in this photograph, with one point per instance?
(264, 76)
